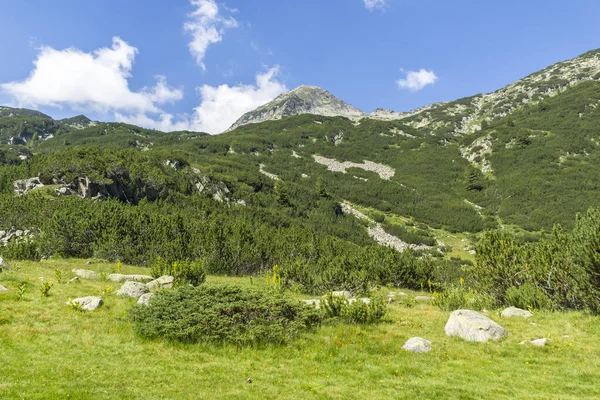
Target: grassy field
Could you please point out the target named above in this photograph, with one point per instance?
(51, 351)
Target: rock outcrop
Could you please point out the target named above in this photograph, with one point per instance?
(163, 282)
(86, 273)
(131, 277)
(145, 299)
(516, 312)
(23, 186)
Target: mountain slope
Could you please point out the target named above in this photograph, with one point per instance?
(302, 100)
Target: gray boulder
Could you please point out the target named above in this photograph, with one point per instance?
(23, 186)
(3, 289)
(539, 342)
(86, 273)
(163, 282)
(132, 277)
(65, 191)
(89, 303)
(417, 345)
(4, 265)
(473, 326)
(132, 289)
(145, 298)
(516, 312)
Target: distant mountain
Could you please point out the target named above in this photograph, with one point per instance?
(302, 100)
(78, 122)
(10, 112)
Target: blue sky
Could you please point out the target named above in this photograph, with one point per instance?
(199, 64)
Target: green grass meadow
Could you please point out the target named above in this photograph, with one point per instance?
(49, 350)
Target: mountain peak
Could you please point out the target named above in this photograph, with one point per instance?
(304, 99)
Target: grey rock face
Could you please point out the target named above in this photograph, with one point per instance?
(145, 298)
(131, 277)
(302, 100)
(65, 191)
(89, 303)
(417, 345)
(86, 273)
(22, 186)
(473, 326)
(163, 282)
(539, 342)
(516, 312)
(132, 289)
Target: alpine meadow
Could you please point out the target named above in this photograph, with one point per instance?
(285, 244)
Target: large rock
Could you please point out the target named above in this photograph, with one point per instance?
(145, 298)
(417, 345)
(3, 289)
(89, 303)
(132, 289)
(163, 282)
(86, 273)
(473, 326)
(132, 277)
(516, 312)
(23, 186)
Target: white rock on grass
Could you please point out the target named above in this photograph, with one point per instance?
(394, 294)
(473, 326)
(163, 282)
(3, 289)
(125, 278)
(4, 265)
(86, 273)
(89, 303)
(145, 298)
(538, 342)
(516, 312)
(132, 289)
(365, 300)
(417, 345)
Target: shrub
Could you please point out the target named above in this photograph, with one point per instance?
(379, 218)
(527, 296)
(355, 311)
(455, 297)
(184, 272)
(222, 313)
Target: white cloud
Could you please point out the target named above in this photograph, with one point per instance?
(417, 80)
(220, 106)
(373, 5)
(206, 25)
(89, 81)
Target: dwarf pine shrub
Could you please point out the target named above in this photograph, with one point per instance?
(223, 313)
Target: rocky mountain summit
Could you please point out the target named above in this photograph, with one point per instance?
(302, 100)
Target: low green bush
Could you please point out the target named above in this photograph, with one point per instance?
(356, 311)
(527, 296)
(223, 313)
(184, 272)
(455, 297)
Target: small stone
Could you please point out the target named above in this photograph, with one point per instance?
(394, 294)
(342, 293)
(132, 289)
(73, 280)
(145, 298)
(404, 323)
(516, 312)
(89, 303)
(86, 273)
(4, 266)
(539, 342)
(3, 289)
(88, 263)
(417, 345)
